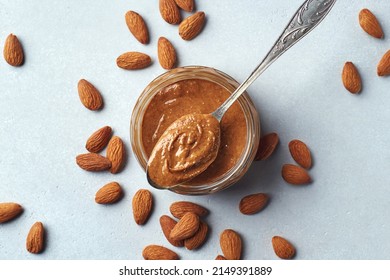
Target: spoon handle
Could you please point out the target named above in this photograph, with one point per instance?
(308, 16)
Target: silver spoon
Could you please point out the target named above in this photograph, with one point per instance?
(308, 16)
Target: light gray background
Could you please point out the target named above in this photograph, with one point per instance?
(343, 214)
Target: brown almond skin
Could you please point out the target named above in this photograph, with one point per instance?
(93, 162)
(231, 244)
(351, 78)
(295, 175)
(370, 24)
(13, 51)
(199, 237)
(166, 53)
(220, 258)
(179, 208)
(186, 227)
(142, 206)
(383, 68)
(109, 193)
(89, 96)
(253, 203)
(9, 211)
(167, 224)
(99, 140)
(283, 248)
(137, 26)
(170, 11)
(186, 5)
(300, 153)
(133, 60)
(116, 153)
(157, 252)
(267, 146)
(190, 27)
(35, 238)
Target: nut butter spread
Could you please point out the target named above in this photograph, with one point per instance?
(195, 96)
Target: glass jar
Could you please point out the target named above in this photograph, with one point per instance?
(215, 76)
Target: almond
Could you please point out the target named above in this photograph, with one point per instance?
(133, 60)
(166, 53)
(137, 26)
(157, 252)
(93, 162)
(179, 208)
(170, 11)
(383, 68)
(9, 211)
(186, 5)
(98, 140)
(191, 26)
(253, 203)
(231, 244)
(295, 175)
(167, 224)
(109, 193)
(186, 227)
(198, 239)
(283, 248)
(89, 95)
(35, 238)
(370, 24)
(267, 146)
(13, 51)
(116, 153)
(220, 258)
(142, 206)
(351, 78)
(300, 153)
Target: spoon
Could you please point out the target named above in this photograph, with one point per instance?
(190, 144)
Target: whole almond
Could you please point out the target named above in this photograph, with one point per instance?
(186, 5)
(267, 146)
(137, 26)
(295, 175)
(116, 153)
(283, 248)
(231, 244)
(133, 60)
(351, 78)
(9, 211)
(370, 23)
(157, 252)
(179, 208)
(220, 258)
(253, 203)
(93, 162)
(300, 153)
(90, 97)
(35, 238)
(142, 206)
(166, 53)
(109, 193)
(383, 68)
(170, 11)
(13, 51)
(190, 27)
(198, 239)
(186, 227)
(167, 224)
(98, 140)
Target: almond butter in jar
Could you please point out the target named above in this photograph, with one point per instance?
(198, 89)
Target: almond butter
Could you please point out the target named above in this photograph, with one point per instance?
(351, 78)
(267, 146)
(137, 26)
(116, 153)
(220, 258)
(300, 153)
(13, 51)
(186, 227)
(93, 162)
(186, 5)
(157, 252)
(142, 206)
(190, 27)
(167, 224)
(199, 237)
(89, 96)
(9, 211)
(170, 11)
(166, 53)
(133, 60)
(35, 238)
(283, 248)
(253, 203)
(231, 244)
(383, 68)
(370, 23)
(109, 193)
(98, 140)
(179, 208)
(295, 175)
